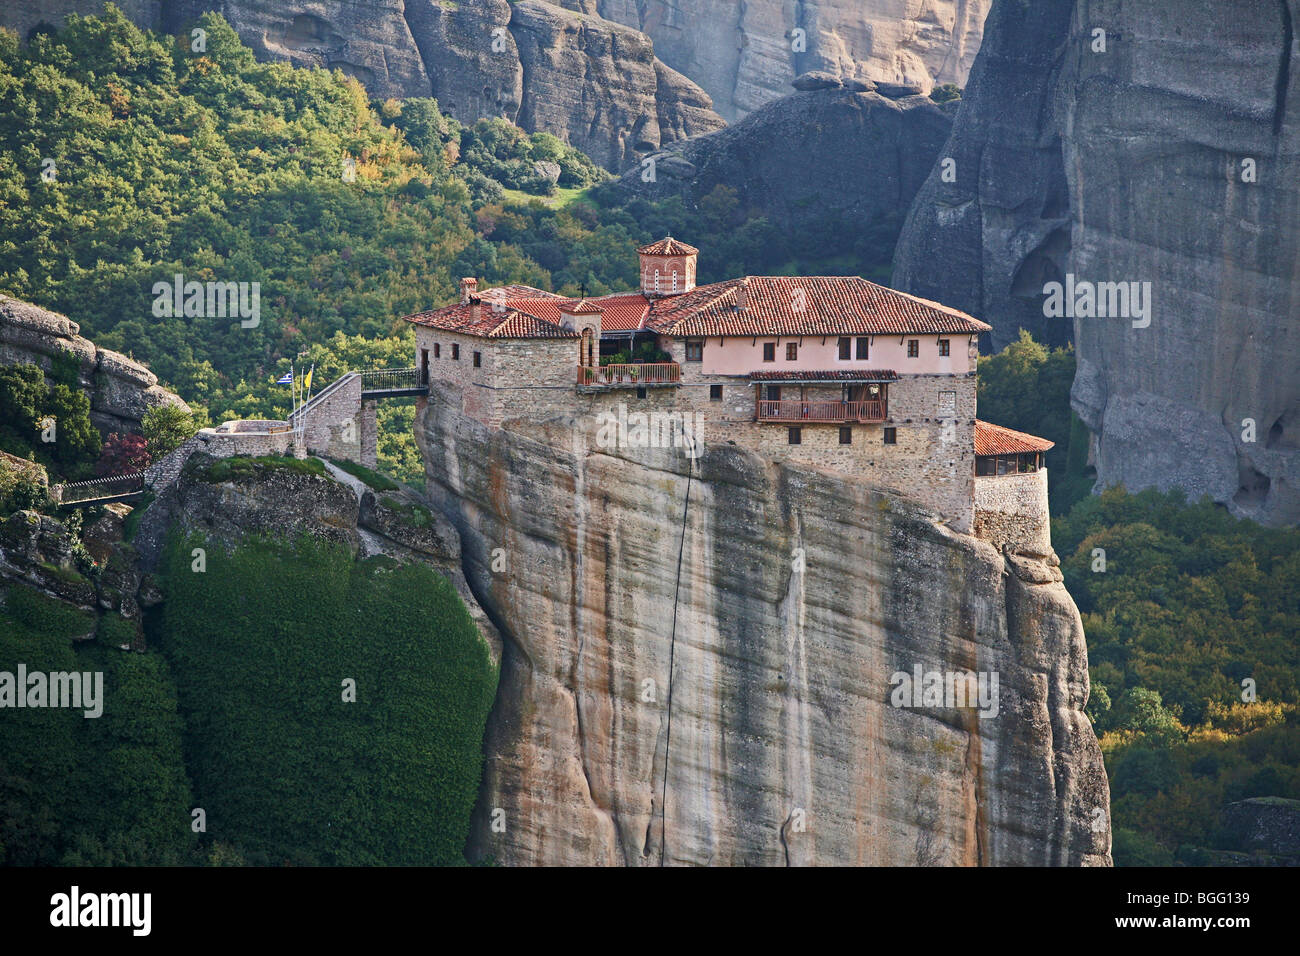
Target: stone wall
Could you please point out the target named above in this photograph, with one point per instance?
(534, 380)
(1011, 512)
(338, 424)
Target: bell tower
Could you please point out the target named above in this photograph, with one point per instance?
(667, 267)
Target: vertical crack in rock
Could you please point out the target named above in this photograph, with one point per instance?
(672, 649)
(1284, 68)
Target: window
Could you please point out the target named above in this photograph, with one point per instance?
(913, 348)
(455, 350)
(769, 351)
(437, 350)
(674, 280)
(846, 347)
(796, 436)
(792, 351)
(863, 344)
(640, 391)
(891, 436)
(478, 359)
(694, 350)
(985, 466)
(715, 393)
(846, 436)
(945, 347)
(772, 393)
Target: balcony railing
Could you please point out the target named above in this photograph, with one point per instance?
(631, 376)
(798, 411)
(392, 379)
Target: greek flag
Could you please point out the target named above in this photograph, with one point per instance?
(285, 379)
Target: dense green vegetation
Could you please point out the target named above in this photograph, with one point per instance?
(1191, 617)
(1027, 387)
(348, 213)
(262, 644)
(74, 791)
(47, 418)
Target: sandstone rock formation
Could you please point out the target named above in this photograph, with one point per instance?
(746, 54)
(121, 390)
(673, 689)
(986, 237)
(1172, 158)
(822, 156)
(594, 83)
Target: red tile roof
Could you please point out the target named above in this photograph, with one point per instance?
(623, 312)
(836, 375)
(996, 440)
(815, 305)
(509, 323)
(775, 306)
(668, 247)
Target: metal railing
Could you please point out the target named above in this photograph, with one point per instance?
(800, 411)
(389, 379)
(656, 373)
(95, 488)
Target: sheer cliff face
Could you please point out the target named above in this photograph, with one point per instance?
(1183, 153)
(1171, 158)
(782, 745)
(872, 157)
(744, 54)
(985, 237)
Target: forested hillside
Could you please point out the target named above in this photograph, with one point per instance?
(127, 158)
(1191, 617)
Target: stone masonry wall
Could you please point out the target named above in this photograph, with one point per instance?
(535, 379)
(1011, 511)
(335, 424)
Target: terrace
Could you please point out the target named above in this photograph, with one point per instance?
(656, 374)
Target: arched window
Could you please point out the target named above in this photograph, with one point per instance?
(586, 349)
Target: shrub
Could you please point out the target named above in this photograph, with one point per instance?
(260, 645)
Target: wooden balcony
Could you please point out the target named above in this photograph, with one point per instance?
(630, 376)
(795, 411)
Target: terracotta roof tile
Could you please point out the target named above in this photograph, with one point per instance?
(996, 440)
(507, 323)
(623, 312)
(815, 305)
(668, 246)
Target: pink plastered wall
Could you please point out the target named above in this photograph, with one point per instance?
(742, 355)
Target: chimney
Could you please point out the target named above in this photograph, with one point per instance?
(742, 294)
(475, 307)
(468, 286)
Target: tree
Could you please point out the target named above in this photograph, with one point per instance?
(166, 428)
(122, 455)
